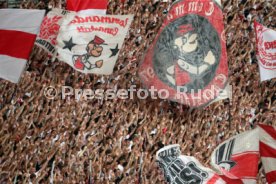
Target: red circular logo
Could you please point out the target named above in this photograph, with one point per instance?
(266, 46)
(188, 56)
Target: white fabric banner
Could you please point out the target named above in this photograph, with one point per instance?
(91, 44)
(266, 51)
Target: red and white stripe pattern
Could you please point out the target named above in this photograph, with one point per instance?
(88, 7)
(237, 158)
(268, 152)
(18, 30)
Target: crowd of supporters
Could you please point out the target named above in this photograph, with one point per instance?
(115, 141)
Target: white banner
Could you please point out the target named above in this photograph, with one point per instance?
(91, 44)
(18, 30)
(266, 51)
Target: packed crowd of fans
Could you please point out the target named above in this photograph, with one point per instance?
(115, 141)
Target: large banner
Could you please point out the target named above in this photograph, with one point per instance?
(47, 37)
(238, 157)
(188, 56)
(91, 44)
(266, 51)
(235, 161)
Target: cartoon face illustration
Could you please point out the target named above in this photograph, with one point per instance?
(93, 49)
(187, 53)
(187, 41)
(188, 56)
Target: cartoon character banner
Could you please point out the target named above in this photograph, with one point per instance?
(266, 51)
(91, 44)
(47, 38)
(188, 56)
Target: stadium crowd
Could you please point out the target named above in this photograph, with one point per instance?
(115, 141)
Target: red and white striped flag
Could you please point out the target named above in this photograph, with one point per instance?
(238, 157)
(18, 30)
(91, 44)
(268, 152)
(235, 161)
(88, 7)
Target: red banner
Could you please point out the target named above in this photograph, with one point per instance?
(188, 56)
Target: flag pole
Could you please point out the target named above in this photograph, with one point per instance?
(54, 56)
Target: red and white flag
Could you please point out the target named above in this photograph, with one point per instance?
(268, 152)
(91, 44)
(88, 7)
(47, 37)
(192, 71)
(238, 157)
(235, 161)
(18, 30)
(266, 51)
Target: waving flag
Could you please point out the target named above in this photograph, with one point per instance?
(238, 157)
(188, 57)
(18, 30)
(235, 161)
(47, 37)
(266, 51)
(88, 7)
(91, 44)
(268, 152)
(180, 169)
